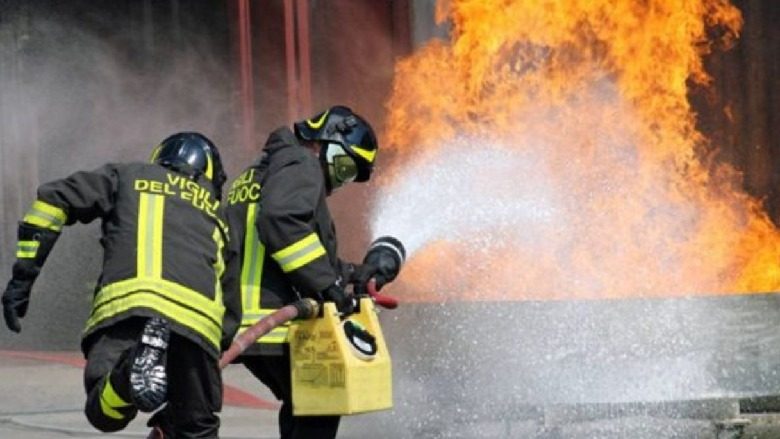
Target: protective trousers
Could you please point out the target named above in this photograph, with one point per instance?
(274, 372)
(194, 384)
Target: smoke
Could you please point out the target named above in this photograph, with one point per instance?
(87, 96)
(83, 85)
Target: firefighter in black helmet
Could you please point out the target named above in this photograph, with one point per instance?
(277, 213)
(159, 305)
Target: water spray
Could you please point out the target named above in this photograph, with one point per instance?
(469, 192)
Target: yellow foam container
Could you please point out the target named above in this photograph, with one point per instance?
(327, 377)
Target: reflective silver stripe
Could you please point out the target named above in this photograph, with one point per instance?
(299, 253)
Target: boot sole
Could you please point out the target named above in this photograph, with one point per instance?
(148, 379)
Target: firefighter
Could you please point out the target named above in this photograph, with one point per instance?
(159, 318)
(277, 214)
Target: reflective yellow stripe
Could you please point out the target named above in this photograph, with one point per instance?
(110, 401)
(209, 167)
(219, 264)
(180, 304)
(211, 308)
(162, 304)
(46, 216)
(277, 335)
(316, 124)
(155, 153)
(150, 229)
(27, 249)
(366, 154)
(300, 253)
(252, 264)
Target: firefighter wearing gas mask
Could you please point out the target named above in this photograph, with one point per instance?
(159, 318)
(277, 212)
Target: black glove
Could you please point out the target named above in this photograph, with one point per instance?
(383, 262)
(25, 270)
(345, 304)
(15, 300)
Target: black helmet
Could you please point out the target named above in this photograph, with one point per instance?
(192, 154)
(341, 126)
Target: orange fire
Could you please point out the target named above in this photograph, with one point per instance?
(598, 91)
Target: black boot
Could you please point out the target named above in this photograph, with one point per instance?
(156, 433)
(148, 381)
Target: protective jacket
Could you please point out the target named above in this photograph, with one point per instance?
(277, 214)
(165, 248)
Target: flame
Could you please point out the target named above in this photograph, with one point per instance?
(596, 91)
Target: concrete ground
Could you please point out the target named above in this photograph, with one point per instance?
(41, 397)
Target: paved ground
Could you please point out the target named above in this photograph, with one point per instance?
(41, 397)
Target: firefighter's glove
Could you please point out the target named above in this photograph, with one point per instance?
(345, 303)
(15, 300)
(382, 262)
(33, 247)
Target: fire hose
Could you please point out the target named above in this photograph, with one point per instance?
(302, 309)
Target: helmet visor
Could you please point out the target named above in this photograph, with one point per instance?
(341, 167)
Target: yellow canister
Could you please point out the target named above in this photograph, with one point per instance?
(328, 376)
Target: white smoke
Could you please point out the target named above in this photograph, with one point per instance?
(81, 90)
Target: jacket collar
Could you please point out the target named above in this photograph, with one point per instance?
(279, 139)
